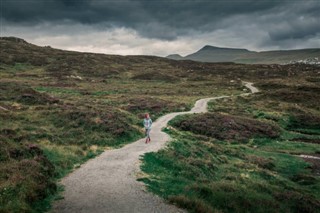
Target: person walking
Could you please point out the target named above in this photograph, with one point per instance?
(147, 123)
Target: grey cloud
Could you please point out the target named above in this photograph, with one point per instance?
(267, 23)
(298, 22)
(297, 30)
(180, 15)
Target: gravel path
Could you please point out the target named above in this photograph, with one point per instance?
(309, 157)
(108, 182)
(251, 87)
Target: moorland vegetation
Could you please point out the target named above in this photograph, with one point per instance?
(60, 108)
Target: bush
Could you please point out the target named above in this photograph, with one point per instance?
(226, 127)
(26, 176)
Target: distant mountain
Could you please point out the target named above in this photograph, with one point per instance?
(219, 54)
(175, 57)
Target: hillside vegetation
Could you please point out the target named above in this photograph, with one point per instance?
(243, 155)
(61, 108)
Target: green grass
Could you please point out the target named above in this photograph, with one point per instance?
(44, 205)
(67, 120)
(284, 146)
(55, 90)
(72, 121)
(242, 156)
(66, 158)
(212, 176)
(21, 66)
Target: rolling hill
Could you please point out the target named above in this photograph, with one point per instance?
(218, 54)
(60, 108)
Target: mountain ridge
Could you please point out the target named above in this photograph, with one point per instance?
(210, 53)
(209, 47)
(206, 54)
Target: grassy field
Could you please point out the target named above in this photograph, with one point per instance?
(60, 108)
(242, 156)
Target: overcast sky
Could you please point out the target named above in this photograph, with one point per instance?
(156, 27)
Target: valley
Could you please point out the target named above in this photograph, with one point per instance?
(58, 109)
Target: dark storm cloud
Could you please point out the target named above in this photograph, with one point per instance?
(296, 30)
(87, 12)
(128, 11)
(268, 22)
(152, 18)
(301, 21)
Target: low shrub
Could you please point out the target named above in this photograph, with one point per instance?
(226, 127)
(26, 176)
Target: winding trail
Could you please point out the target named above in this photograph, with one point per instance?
(5, 109)
(310, 157)
(108, 182)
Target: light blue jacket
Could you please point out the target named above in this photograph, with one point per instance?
(147, 123)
